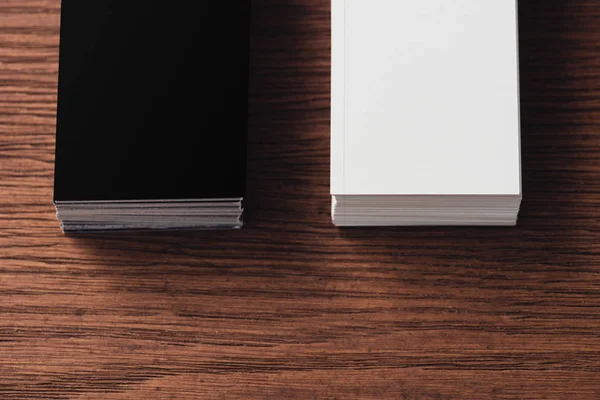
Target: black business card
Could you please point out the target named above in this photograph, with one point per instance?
(152, 101)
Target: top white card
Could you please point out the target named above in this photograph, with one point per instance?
(425, 97)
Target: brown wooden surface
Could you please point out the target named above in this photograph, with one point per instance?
(291, 307)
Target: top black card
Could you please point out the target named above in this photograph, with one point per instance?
(152, 101)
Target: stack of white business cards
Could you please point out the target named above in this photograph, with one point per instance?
(425, 113)
(425, 210)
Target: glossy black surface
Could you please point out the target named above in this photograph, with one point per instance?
(152, 100)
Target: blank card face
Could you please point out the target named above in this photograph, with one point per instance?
(425, 97)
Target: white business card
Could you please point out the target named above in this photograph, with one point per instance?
(425, 98)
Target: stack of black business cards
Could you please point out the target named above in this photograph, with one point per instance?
(152, 114)
(425, 113)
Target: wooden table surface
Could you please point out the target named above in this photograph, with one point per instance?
(290, 307)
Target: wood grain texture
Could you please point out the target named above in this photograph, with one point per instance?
(290, 307)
